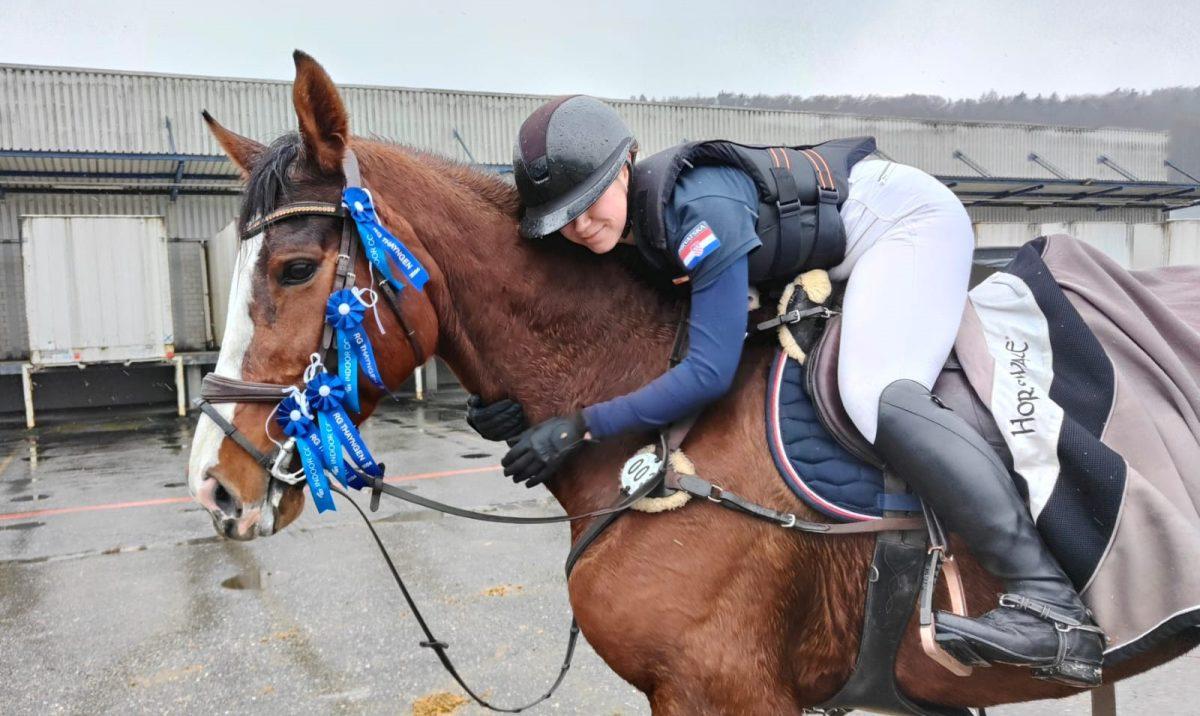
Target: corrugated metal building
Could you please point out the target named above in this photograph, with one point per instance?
(79, 141)
(103, 111)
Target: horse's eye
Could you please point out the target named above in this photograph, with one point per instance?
(297, 272)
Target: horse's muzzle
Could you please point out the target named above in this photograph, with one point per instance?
(231, 519)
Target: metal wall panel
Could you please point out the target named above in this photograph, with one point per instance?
(190, 314)
(997, 234)
(14, 338)
(97, 288)
(191, 217)
(1148, 245)
(1183, 242)
(93, 110)
(222, 250)
(1022, 215)
(1136, 246)
(1113, 238)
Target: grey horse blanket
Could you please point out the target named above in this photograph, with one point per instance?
(1092, 373)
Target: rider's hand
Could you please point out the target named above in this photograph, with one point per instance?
(501, 420)
(540, 450)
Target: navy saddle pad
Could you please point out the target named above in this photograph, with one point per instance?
(814, 465)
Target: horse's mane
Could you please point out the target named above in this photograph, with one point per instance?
(487, 186)
(273, 178)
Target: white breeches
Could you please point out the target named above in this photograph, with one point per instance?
(909, 244)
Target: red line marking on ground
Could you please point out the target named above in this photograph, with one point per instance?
(93, 508)
(180, 500)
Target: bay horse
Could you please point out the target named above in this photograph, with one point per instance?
(703, 610)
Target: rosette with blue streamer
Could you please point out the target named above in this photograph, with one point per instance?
(344, 311)
(298, 424)
(379, 242)
(324, 393)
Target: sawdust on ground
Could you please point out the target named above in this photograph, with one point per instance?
(502, 590)
(438, 704)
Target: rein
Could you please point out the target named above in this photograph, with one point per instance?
(217, 389)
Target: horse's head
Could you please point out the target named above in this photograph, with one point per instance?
(283, 277)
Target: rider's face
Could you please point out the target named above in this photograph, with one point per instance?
(600, 227)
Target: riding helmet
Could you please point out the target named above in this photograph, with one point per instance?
(567, 153)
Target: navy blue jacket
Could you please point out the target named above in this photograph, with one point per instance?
(711, 225)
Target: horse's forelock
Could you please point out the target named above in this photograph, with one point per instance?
(270, 181)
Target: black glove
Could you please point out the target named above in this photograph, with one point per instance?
(501, 420)
(540, 450)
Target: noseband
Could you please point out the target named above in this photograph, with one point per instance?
(223, 389)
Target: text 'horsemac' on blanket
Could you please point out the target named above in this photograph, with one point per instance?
(1092, 373)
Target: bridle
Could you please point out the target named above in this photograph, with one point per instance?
(218, 389)
(223, 389)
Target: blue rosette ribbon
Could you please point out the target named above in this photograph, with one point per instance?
(344, 312)
(379, 243)
(324, 392)
(297, 423)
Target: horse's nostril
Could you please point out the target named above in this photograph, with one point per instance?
(226, 502)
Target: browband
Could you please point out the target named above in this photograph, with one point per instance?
(299, 208)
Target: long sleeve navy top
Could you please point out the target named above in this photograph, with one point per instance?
(710, 222)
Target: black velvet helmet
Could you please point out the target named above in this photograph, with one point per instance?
(567, 153)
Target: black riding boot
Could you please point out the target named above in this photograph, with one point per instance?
(1041, 621)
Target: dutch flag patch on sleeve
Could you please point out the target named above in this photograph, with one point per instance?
(699, 243)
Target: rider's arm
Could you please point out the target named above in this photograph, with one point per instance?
(717, 327)
(712, 227)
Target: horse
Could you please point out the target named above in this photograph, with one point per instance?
(703, 610)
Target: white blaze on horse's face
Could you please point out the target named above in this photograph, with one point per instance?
(239, 329)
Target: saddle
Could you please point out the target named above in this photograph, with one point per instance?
(951, 387)
(827, 462)
(817, 450)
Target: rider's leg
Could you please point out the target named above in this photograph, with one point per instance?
(1041, 621)
(902, 308)
(905, 294)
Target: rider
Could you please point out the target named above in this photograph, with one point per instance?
(710, 214)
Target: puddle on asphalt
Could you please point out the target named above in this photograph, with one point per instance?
(21, 526)
(246, 580)
(63, 432)
(30, 498)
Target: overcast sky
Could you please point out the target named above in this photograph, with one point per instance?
(619, 48)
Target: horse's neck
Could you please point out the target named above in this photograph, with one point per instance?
(551, 326)
(552, 331)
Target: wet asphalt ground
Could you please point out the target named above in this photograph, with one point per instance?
(117, 596)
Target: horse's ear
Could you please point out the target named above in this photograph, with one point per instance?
(242, 150)
(324, 124)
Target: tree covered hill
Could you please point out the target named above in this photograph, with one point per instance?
(1175, 109)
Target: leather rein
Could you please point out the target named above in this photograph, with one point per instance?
(217, 389)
